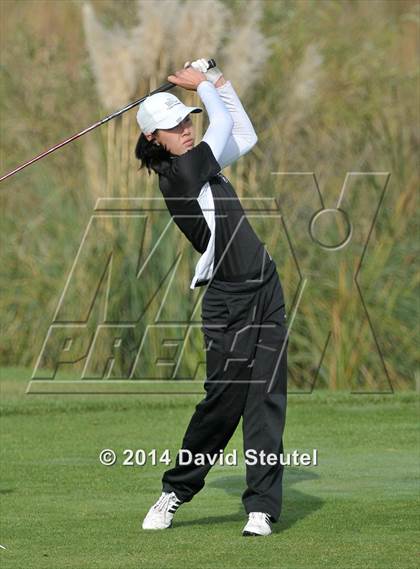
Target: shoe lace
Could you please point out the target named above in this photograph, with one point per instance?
(261, 517)
(165, 499)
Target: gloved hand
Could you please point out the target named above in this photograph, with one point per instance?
(212, 74)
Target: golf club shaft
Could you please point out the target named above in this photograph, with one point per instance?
(164, 87)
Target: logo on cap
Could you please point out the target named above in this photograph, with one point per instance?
(171, 103)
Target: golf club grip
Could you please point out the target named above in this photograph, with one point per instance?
(166, 86)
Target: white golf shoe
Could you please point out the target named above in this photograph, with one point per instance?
(160, 514)
(259, 523)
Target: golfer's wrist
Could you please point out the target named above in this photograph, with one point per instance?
(203, 85)
(201, 82)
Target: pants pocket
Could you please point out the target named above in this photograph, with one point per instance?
(215, 319)
(242, 330)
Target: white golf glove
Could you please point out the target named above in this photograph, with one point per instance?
(212, 75)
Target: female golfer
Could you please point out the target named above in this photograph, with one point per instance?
(243, 308)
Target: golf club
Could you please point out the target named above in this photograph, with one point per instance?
(164, 87)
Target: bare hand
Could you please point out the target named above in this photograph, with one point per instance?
(188, 78)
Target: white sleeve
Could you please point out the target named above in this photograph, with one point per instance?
(243, 136)
(220, 120)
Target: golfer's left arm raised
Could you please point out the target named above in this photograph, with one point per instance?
(243, 136)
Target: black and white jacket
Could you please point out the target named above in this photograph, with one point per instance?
(201, 200)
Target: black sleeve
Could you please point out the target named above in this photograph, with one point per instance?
(192, 170)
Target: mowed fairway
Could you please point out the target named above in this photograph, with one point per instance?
(60, 508)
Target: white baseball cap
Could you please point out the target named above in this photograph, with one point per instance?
(162, 110)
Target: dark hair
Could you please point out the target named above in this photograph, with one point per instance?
(150, 154)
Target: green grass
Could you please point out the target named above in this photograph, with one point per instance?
(62, 509)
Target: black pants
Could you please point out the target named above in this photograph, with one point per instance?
(245, 334)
